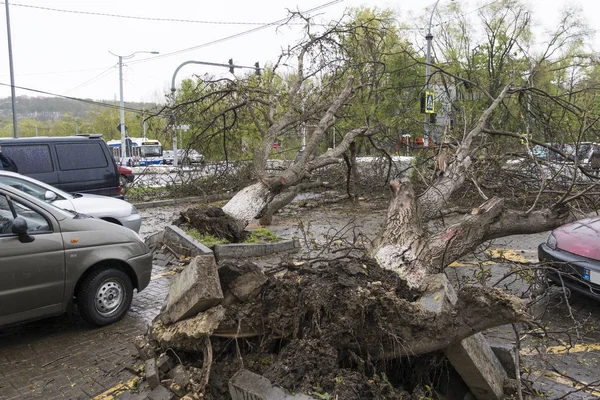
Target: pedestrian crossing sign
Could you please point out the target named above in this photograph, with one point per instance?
(429, 108)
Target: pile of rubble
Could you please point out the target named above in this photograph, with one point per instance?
(334, 328)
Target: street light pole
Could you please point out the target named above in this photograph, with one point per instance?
(231, 67)
(12, 74)
(429, 38)
(121, 102)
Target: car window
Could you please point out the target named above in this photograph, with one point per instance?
(75, 156)
(30, 188)
(36, 222)
(30, 159)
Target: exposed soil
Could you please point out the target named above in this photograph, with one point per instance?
(333, 327)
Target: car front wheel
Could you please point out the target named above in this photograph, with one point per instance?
(104, 296)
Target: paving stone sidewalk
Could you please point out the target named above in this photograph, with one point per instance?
(64, 358)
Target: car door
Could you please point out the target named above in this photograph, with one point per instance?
(32, 274)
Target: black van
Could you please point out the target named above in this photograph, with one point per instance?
(81, 164)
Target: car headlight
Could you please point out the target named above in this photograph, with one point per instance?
(133, 210)
(552, 242)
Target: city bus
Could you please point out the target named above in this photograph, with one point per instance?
(139, 152)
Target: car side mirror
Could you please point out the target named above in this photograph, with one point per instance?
(19, 227)
(50, 195)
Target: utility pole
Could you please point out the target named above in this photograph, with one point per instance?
(12, 74)
(429, 38)
(121, 102)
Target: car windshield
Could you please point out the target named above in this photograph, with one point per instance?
(151, 151)
(35, 189)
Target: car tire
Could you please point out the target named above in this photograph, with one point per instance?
(104, 296)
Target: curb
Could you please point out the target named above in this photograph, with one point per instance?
(243, 250)
(169, 202)
(182, 243)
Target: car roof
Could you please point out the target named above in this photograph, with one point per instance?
(49, 139)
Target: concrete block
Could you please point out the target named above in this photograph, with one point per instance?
(165, 363)
(479, 367)
(245, 385)
(195, 289)
(152, 373)
(182, 243)
(507, 355)
(179, 376)
(161, 393)
(243, 250)
(187, 334)
(242, 280)
(439, 294)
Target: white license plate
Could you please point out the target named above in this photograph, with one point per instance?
(591, 276)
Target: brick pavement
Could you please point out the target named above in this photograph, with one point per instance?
(64, 358)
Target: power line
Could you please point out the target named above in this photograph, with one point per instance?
(99, 14)
(98, 103)
(91, 79)
(236, 35)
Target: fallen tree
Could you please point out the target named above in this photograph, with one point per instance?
(395, 303)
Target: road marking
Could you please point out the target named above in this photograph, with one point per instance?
(578, 348)
(511, 255)
(113, 392)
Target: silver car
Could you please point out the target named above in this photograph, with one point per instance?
(51, 258)
(107, 208)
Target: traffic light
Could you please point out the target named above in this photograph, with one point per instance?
(257, 68)
(231, 65)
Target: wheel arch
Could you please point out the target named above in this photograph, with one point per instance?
(117, 264)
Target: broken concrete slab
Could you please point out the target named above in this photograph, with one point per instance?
(197, 288)
(161, 393)
(187, 334)
(243, 250)
(243, 281)
(439, 294)
(246, 385)
(182, 243)
(479, 367)
(152, 373)
(145, 351)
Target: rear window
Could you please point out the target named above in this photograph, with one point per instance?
(30, 159)
(74, 156)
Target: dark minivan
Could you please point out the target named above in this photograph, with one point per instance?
(81, 164)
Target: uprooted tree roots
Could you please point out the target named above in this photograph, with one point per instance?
(333, 328)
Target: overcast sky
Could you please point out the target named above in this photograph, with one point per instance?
(63, 47)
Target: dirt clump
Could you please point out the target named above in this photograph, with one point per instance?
(326, 328)
(212, 221)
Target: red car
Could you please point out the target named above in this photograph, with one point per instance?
(125, 175)
(573, 252)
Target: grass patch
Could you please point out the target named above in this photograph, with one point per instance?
(262, 235)
(207, 240)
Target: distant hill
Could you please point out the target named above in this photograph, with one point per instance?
(53, 108)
